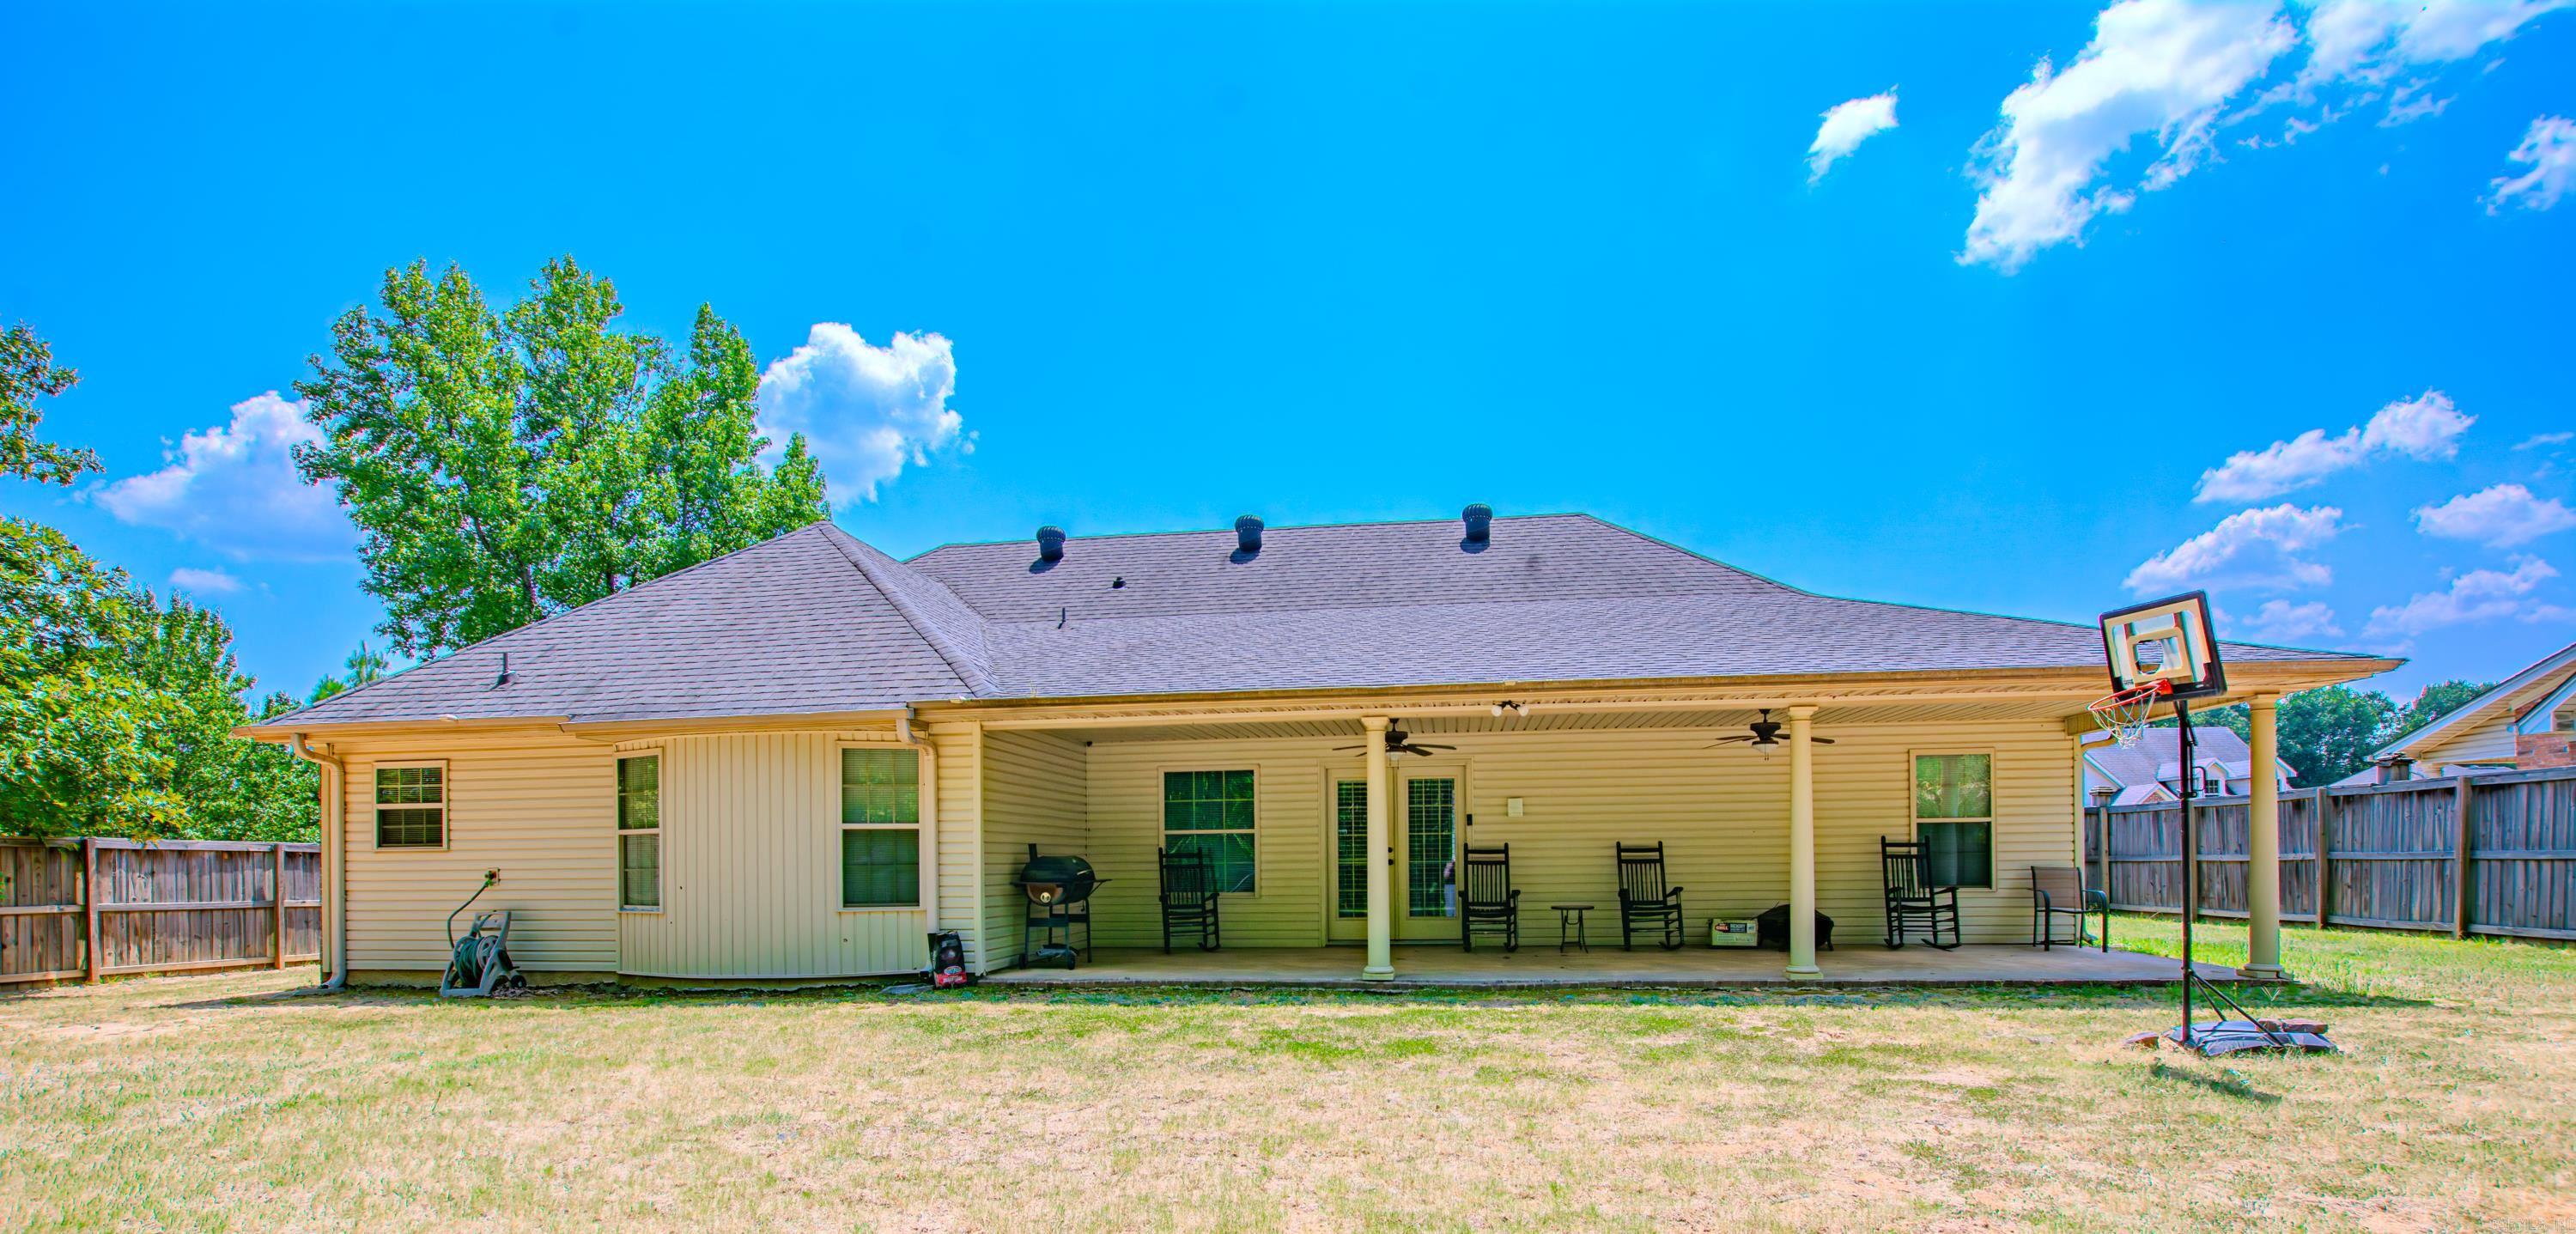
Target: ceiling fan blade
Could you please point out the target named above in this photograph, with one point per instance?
(1822, 741)
(1727, 741)
(1339, 749)
(1424, 745)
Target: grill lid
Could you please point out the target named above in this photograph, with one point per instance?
(1060, 879)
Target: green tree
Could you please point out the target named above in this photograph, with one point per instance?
(502, 466)
(364, 665)
(2326, 733)
(116, 709)
(2436, 701)
(27, 373)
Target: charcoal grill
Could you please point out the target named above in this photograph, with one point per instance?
(1059, 890)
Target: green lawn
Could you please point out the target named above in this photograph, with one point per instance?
(233, 1103)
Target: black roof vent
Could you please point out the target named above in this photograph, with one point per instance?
(1480, 524)
(1247, 535)
(1050, 543)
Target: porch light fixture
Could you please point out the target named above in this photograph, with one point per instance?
(1516, 708)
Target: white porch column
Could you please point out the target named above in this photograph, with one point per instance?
(2263, 845)
(1802, 844)
(1381, 851)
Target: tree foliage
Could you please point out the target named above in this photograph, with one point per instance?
(2436, 701)
(116, 710)
(28, 373)
(2329, 733)
(503, 465)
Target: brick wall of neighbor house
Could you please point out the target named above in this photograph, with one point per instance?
(2544, 750)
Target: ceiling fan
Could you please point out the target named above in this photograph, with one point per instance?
(1766, 735)
(1399, 741)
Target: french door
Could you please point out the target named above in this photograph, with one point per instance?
(1426, 857)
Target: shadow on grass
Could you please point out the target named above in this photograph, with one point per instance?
(2227, 1085)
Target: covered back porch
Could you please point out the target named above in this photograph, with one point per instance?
(1338, 856)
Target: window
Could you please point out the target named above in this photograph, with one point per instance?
(411, 806)
(1954, 817)
(639, 832)
(880, 828)
(1350, 847)
(1211, 812)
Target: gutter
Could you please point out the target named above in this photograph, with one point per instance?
(334, 808)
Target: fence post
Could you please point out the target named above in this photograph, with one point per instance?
(2322, 806)
(2460, 863)
(277, 897)
(89, 909)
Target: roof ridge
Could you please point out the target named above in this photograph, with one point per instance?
(540, 622)
(1271, 527)
(972, 676)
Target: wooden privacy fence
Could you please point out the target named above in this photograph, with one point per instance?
(2485, 854)
(100, 907)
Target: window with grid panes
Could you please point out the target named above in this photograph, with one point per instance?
(411, 807)
(1211, 812)
(880, 828)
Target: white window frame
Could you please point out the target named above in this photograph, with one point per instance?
(618, 824)
(926, 862)
(1994, 829)
(445, 806)
(1163, 833)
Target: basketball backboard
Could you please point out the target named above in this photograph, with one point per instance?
(2165, 640)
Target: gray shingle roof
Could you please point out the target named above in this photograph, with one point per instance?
(817, 621)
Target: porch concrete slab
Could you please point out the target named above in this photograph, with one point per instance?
(1541, 966)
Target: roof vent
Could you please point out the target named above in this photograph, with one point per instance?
(1247, 535)
(1480, 524)
(1050, 543)
(504, 678)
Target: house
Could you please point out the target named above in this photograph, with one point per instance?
(2151, 771)
(792, 762)
(2527, 720)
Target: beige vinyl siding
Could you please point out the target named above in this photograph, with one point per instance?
(2490, 740)
(539, 806)
(960, 792)
(1286, 910)
(1722, 814)
(751, 869)
(1035, 792)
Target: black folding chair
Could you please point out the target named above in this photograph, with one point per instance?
(1487, 901)
(1911, 906)
(1645, 903)
(1189, 898)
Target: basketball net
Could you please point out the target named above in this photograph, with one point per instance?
(2124, 714)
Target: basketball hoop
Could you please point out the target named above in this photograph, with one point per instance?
(2124, 714)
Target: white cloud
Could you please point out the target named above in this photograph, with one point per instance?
(2176, 72)
(2280, 619)
(234, 488)
(2499, 517)
(2537, 440)
(1846, 126)
(868, 411)
(190, 578)
(2550, 147)
(2426, 428)
(2155, 67)
(2262, 549)
(2479, 595)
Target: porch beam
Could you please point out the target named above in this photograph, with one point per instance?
(2263, 843)
(1484, 704)
(1381, 850)
(1802, 842)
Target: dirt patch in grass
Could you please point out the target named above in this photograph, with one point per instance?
(220, 1102)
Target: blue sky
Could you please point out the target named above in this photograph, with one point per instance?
(1157, 266)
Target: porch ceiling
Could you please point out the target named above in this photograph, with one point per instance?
(1545, 721)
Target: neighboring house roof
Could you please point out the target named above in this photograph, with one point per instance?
(2142, 794)
(816, 621)
(2508, 697)
(2157, 757)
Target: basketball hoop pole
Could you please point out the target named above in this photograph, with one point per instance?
(2190, 853)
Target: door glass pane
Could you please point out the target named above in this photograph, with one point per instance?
(1431, 838)
(1350, 847)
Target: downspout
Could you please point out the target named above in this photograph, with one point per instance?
(334, 808)
(928, 757)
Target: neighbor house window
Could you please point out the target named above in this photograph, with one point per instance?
(1211, 812)
(411, 806)
(639, 832)
(880, 828)
(1954, 817)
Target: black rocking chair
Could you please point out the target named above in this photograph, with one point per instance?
(1487, 901)
(1911, 906)
(1644, 902)
(1189, 898)
(2059, 891)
